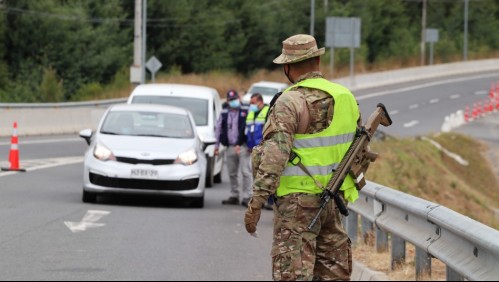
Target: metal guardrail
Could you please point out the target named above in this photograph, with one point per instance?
(469, 249)
(62, 105)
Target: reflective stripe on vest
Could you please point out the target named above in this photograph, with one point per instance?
(321, 153)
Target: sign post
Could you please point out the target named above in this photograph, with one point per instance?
(153, 65)
(431, 37)
(343, 32)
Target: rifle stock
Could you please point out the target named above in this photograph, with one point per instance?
(358, 154)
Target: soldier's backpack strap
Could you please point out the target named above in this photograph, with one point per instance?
(272, 103)
(304, 116)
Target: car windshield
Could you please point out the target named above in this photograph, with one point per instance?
(151, 124)
(198, 107)
(267, 91)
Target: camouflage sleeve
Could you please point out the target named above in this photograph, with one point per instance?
(278, 136)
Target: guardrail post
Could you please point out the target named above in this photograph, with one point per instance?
(398, 251)
(367, 231)
(352, 223)
(381, 241)
(452, 275)
(423, 264)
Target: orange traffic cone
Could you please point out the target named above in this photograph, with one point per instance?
(14, 153)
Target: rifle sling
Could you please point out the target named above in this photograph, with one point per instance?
(293, 156)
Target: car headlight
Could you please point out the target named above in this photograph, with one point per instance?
(103, 153)
(187, 158)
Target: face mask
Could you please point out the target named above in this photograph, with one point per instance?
(253, 108)
(287, 73)
(234, 104)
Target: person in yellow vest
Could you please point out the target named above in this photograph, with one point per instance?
(257, 116)
(317, 121)
(255, 121)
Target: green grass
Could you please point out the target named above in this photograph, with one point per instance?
(416, 167)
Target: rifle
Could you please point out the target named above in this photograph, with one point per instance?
(355, 161)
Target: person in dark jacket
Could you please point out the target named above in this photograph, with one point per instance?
(230, 132)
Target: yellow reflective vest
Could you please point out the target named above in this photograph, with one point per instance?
(321, 153)
(254, 127)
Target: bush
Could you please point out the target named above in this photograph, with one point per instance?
(51, 89)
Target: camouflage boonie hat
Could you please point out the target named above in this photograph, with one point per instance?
(298, 48)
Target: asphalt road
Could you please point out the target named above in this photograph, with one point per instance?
(145, 238)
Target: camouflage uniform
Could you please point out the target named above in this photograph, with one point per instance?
(323, 253)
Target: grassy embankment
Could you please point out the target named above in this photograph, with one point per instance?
(417, 167)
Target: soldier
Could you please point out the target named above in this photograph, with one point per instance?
(301, 121)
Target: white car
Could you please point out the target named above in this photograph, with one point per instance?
(266, 88)
(205, 106)
(145, 149)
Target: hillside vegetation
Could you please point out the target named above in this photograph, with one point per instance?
(417, 167)
(60, 50)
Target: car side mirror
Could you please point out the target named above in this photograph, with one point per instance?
(87, 135)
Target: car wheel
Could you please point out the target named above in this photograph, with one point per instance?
(198, 202)
(89, 197)
(209, 172)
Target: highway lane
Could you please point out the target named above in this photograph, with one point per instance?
(419, 109)
(144, 238)
(43, 147)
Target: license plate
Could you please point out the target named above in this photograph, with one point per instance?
(144, 173)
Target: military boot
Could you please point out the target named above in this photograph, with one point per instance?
(231, 201)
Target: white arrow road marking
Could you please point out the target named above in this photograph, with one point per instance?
(88, 221)
(411, 124)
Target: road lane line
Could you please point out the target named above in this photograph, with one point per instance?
(453, 97)
(391, 92)
(48, 141)
(415, 106)
(411, 124)
(392, 113)
(433, 101)
(483, 92)
(33, 165)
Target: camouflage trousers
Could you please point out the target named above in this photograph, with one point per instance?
(323, 253)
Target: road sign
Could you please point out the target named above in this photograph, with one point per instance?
(431, 35)
(343, 32)
(153, 65)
